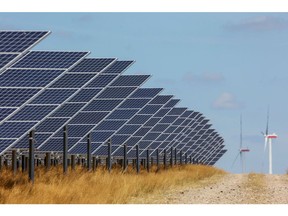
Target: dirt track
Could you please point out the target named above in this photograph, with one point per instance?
(226, 189)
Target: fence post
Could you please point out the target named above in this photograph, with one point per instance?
(65, 149)
(31, 155)
(89, 152)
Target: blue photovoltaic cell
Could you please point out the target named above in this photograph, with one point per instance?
(53, 96)
(19, 41)
(162, 137)
(128, 129)
(100, 136)
(168, 119)
(150, 109)
(80, 148)
(92, 65)
(119, 139)
(88, 117)
(101, 81)
(151, 136)
(85, 95)
(102, 151)
(118, 67)
(4, 112)
(68, 110)
(161, 99)
(161, 112)
(72, 81)
(170, 129)
(122, 114)
(134, 103)
(160, 127)
(15, 97)
(109, 125)
(49, 59)
(50, 124)
(144, 144)
(152, 122)
(57, 144)
(102, 105)
(187, 113)
(176, 111)
(130, 80)
(76, 130)
(6, 58)
(5, 143)
(24, 142)
(142, 131)
(179, 121)
(132, 140)
(28, 78)
(14, 129)
(146, 92)
(116, 92)
(172, 103)
(32, 113)
(139, 119)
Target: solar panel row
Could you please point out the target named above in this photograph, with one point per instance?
(47, 90)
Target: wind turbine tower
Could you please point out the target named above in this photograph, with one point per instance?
(268, 139)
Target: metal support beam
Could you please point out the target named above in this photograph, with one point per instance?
(31, 155)
(94, 163)
(65, 149)
(157, 159)
(165, 159)
(125, 158)
(148, 161)
(109, 164)
(14, 162)
(73, 161)
(175, 155)
(89, 152)
(171, 157)
(48, 160)
(137, 160)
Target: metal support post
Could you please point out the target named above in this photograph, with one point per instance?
(65, 149)
(31, 155)
(148, 161)
(181, 157)
(94, 163)
(137, 160)
(165, 159)
(171, 158)
(109, 156)
(175, 160)
(73, 161)
(125, 158)
(14, 162)
(89, 152)
(157, 159)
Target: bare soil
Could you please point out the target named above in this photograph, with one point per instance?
(225, 189)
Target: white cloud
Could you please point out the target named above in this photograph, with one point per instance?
(226, 101)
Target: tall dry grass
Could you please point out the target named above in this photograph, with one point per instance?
(101, 187)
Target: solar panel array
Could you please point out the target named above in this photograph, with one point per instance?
(47, 90)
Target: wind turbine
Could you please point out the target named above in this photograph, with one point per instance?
(268, 139)
(241, 149)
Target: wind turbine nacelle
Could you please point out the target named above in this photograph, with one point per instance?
(272, 136)
(244, 150)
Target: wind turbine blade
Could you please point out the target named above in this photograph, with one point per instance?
(235, 160)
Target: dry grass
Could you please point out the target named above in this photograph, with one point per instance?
(81, 186)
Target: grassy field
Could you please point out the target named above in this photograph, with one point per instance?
(100, 186)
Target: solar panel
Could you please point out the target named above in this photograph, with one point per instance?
(19, 41)
(6, 58)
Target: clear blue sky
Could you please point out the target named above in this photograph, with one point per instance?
(222, 64)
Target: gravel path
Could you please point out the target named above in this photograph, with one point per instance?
(226, 189)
